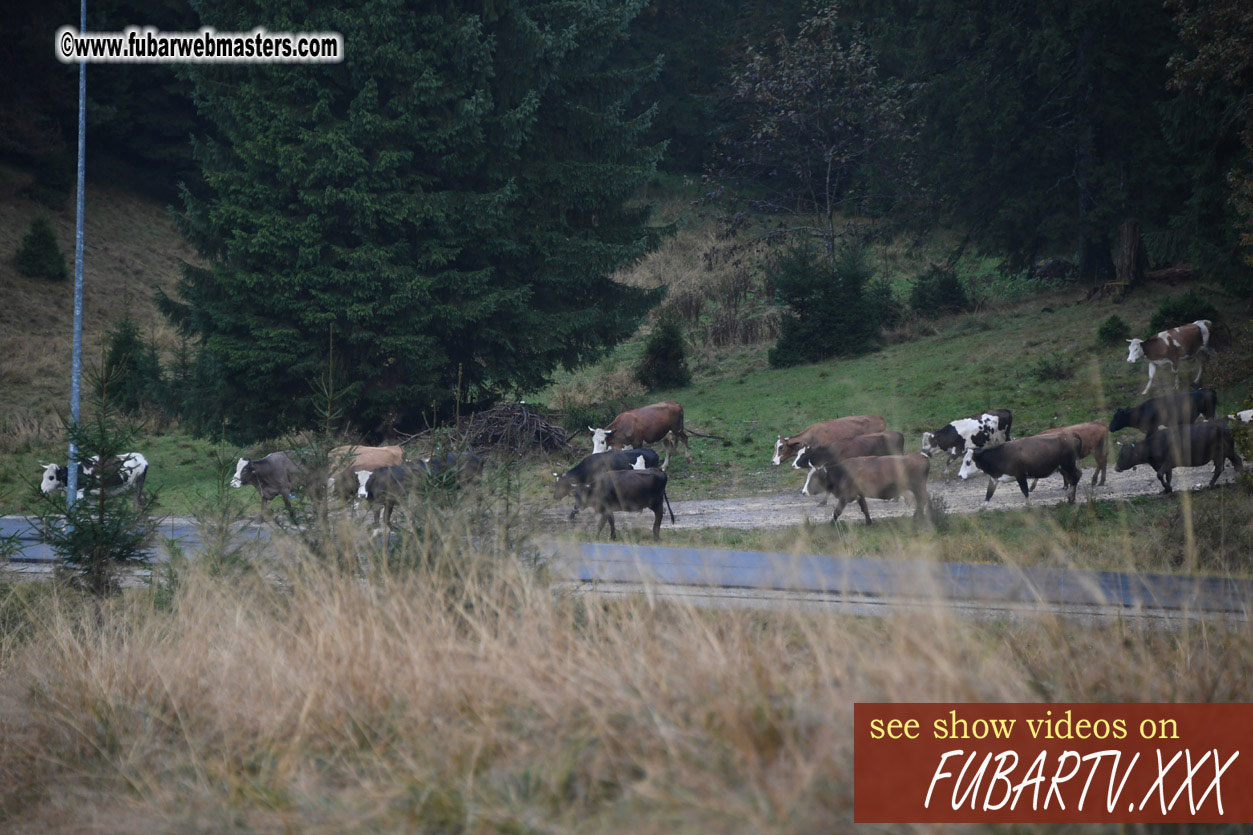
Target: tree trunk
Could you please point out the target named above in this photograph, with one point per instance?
(1132, 262)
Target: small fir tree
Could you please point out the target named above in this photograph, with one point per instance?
(665, 355)
(39, 256)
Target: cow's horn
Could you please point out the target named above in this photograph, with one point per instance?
(590, 429)
(556, 475)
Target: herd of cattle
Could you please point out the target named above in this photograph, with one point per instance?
(852, 458)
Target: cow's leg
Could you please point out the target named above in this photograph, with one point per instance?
(687, 447)
(1152, 373)
(865, 511)
(1164, 476)
(991, 489)
(1022, 485)
(1174, 367)
(658, 512)
(839, 508)
(1034, 482)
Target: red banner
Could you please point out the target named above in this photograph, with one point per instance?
(1062, 763)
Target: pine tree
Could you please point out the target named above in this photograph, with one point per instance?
(39, 256)
(450, 200)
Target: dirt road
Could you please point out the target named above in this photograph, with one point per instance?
(788, 507)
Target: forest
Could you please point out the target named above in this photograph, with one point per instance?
(438, 220)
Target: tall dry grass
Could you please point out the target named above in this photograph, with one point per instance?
(454, 689)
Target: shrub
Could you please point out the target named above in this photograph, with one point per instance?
(938, 290)
(39, 256)
(888, 310)
(831, 313)
(1179, 310)
(664, 364)
(1053, 367)
(1113, 331)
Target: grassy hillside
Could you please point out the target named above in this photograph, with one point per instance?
(132, 249)
(1037, 357)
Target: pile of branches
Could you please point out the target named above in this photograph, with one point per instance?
(512, 426)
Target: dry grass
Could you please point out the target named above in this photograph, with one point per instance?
(465, 694)
(132, 249)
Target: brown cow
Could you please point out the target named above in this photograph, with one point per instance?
(1093, 440)
(645, 425)
(881, 477)
(860, 446)
(826, 432)
(1172, 347)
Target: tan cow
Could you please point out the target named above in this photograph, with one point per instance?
(1093, 440)
(645, 425)
(826, 432)
(1172, 347)
(881, 477)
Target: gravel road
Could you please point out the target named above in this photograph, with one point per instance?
(785, 509)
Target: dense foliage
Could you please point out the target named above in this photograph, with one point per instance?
(434, 219)
(1179, 310)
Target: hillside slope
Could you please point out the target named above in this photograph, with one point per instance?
(132, 248)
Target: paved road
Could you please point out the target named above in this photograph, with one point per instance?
(31, 550)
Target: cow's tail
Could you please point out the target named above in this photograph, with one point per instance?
(668, 507)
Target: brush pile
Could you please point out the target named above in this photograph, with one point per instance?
(512, 426)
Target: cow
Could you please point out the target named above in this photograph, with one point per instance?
(860, 446)
(1178, 409)
(1245, 416)
(1093, 440)
(1173, 346)
(974, 432)
(126, 472)
(274, 475)
(580, 478)
(645, 425)
(389, 485)
(879, 477)
(1181, 446)
(466, 465)
(826, 432)
(1037, 456)
(347, 461)
(630, 491)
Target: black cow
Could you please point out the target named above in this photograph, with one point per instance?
(468, 464)
(1178, 409)
(579, 478)
(1181, 446)
(1038, 456)
(390, 485)
(630, 490)
(274, 475)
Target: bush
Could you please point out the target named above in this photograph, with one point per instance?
(888, 310)
(831, 312)
(1053, 367)
(664, 364)
(39, 256)
(1179, 310)
(1113, 331)
(938, 290)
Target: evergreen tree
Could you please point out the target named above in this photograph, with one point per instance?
(445, 205)
(39, 256)
(829, 311)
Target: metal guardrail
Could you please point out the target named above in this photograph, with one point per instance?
(876, 579)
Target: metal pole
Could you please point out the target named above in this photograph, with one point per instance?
(76, 368)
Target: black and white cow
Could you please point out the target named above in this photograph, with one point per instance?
(124, 473)
(989, 428)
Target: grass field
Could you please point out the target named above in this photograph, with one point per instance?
(451, 689)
